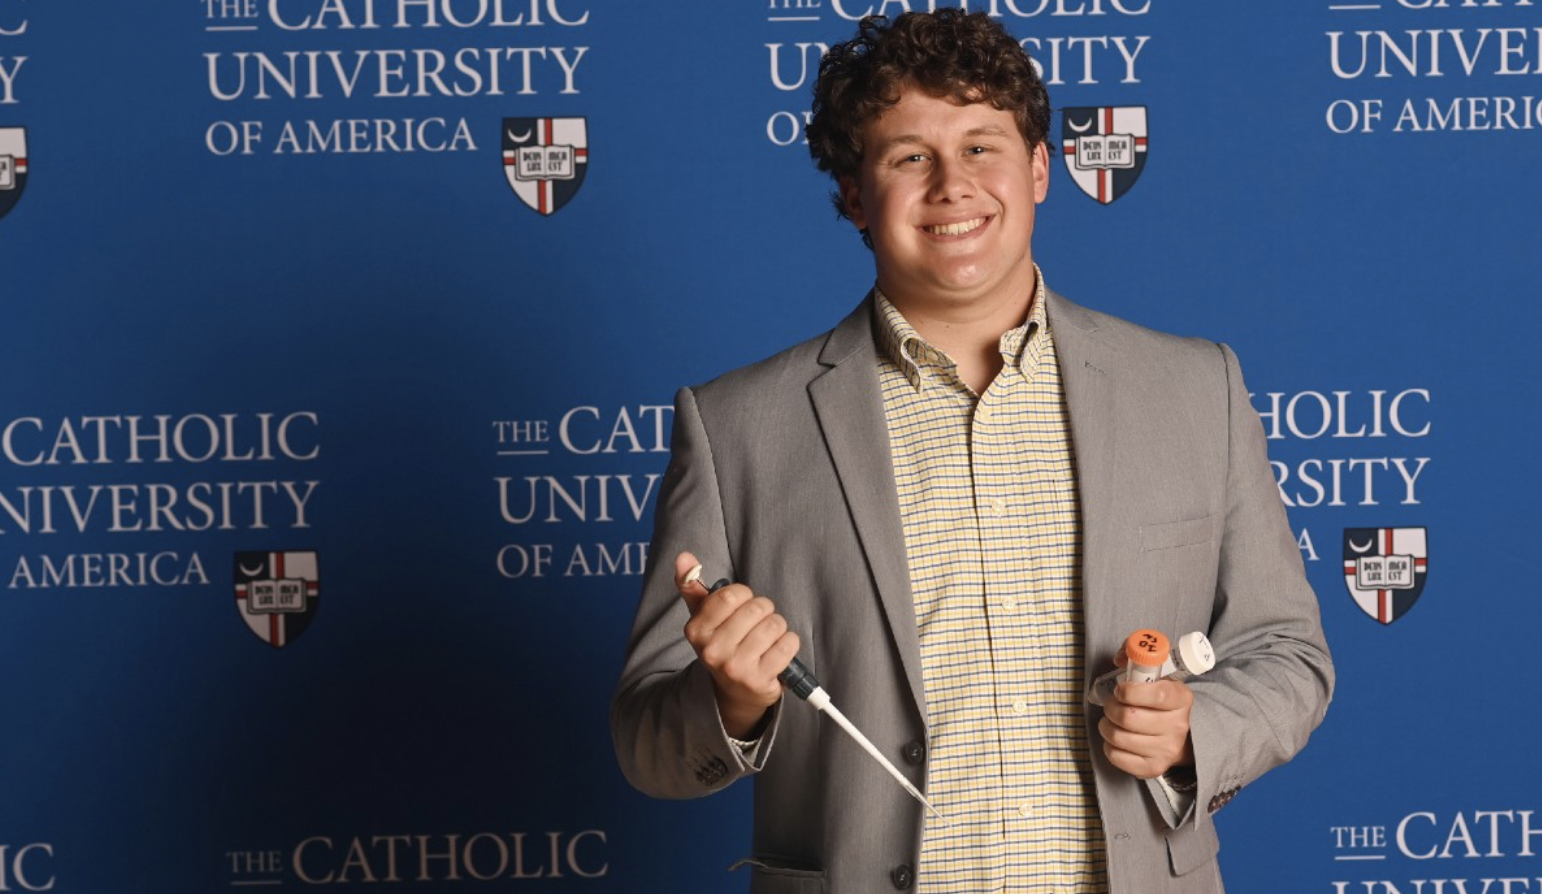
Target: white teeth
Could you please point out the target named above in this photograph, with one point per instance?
(956, 229)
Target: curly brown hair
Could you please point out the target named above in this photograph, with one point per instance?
(966, 57)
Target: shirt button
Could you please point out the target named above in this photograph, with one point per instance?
(1009, 604)
(999, 506)
(1024, 810)
(1020, 707)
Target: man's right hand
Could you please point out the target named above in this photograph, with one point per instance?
(743, 643)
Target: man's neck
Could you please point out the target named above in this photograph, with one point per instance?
(970, 333)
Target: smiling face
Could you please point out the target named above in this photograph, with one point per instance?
(947, 193)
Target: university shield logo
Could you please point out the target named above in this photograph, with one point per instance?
(1384, 569)
(1104, 148)
(13, 167)
(277, 594)
(545, 160)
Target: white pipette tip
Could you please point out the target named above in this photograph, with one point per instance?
(820, 700)
(934, 811)
(800, 681)
(942, 820)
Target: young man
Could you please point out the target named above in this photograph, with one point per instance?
(953, 508)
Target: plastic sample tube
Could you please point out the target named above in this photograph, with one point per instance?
(1193, 656)
(1145, 652)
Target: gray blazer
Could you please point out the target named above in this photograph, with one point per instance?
(781, 478)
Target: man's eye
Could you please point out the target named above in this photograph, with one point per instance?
(977, 150)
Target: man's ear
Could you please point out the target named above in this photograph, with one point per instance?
(1040, 172)
(851, 198)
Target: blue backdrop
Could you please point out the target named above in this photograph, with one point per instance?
(340, 337)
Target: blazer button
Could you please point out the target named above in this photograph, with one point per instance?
(915, 753)
(902, 876)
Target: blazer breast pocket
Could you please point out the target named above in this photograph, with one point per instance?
(1171, 535)
(1176, 564)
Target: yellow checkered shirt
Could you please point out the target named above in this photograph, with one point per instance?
(987, 492)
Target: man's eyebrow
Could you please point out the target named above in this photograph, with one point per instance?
(984, 130)
(903, 138)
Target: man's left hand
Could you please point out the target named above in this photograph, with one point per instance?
(1145, 727)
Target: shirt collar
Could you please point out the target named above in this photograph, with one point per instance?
(906, 349)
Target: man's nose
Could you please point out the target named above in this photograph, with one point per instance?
(951, 180)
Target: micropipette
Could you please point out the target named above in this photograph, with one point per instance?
(804, 685)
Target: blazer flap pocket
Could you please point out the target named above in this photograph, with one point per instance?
(1191, 846)
(778, 876)
(1172, 534)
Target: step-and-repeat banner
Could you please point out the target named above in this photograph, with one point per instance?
(338, 340)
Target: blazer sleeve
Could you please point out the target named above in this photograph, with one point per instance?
(665, 727)
(1274, 677)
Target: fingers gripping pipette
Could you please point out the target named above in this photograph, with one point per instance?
(800, 682)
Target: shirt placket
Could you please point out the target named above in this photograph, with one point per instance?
(960, 671)
(1008, 589)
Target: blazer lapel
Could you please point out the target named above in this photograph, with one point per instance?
(1088, 368)
(849, 405)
